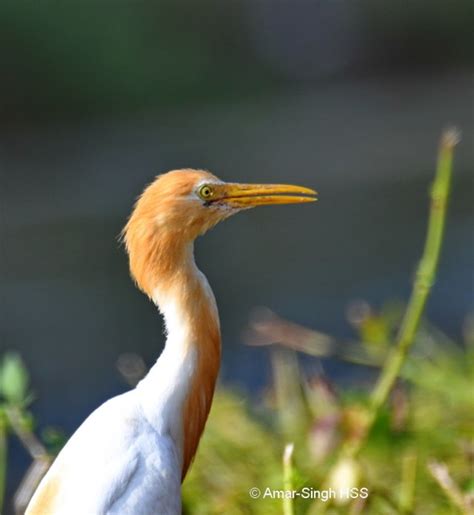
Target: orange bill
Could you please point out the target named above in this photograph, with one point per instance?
(251, 195)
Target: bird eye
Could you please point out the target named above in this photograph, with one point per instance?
(205, 192)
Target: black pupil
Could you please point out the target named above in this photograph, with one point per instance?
(206, 192)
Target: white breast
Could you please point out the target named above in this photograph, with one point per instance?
(117, 463)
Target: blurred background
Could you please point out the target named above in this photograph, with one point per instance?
(96, 98)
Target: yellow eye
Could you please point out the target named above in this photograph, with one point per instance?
(205, 192)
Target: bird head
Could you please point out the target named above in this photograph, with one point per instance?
(180, 205)
(189, 202)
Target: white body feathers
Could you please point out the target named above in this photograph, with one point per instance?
(127, 455)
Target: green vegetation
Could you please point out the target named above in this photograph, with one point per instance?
(407, 439)
(425, 425)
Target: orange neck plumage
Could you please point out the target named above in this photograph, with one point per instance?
(163, 267)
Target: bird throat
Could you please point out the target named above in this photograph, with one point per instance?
(190, 362)
(178, 390)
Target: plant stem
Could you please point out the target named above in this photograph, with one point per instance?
(3, 459)
(288, 479)
(440, 474)
(407, 487)
(29, 440)
(425, 274)
(425, 277)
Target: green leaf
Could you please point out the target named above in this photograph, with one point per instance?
(13, 378)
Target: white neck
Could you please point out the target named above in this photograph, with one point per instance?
(166, 387)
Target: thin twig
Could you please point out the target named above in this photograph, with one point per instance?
(41, 458)
(266, 328)
(35, 473)
(3, 459)
(288, 479)
(407, 487)
(29, 440)
(440, 473)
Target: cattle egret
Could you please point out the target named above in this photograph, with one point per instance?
(132, 453)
